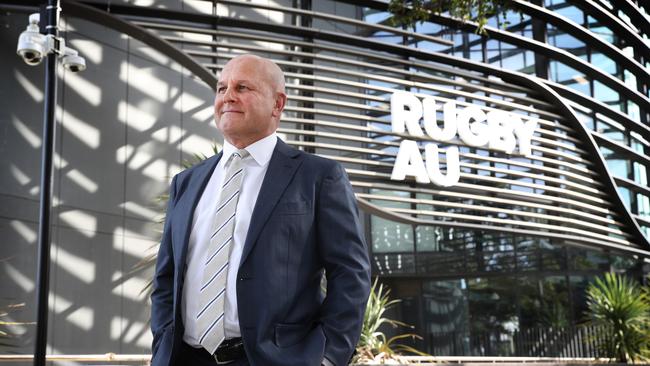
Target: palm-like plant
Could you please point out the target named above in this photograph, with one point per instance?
(373, 345)
(621, 307)
(7, 336)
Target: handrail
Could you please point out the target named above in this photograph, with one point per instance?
(144, 359)
(496, 359)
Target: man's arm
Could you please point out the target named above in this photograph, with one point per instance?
(345, 257)
(163, 280)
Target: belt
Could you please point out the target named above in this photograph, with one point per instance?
(230, 350)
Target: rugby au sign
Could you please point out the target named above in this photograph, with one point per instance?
(495, 130)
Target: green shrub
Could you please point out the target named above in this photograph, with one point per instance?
(621, 308)
(373, 345)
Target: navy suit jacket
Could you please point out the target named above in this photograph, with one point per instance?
(305, 220)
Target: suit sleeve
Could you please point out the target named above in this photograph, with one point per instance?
(163, 281)
(345, 257)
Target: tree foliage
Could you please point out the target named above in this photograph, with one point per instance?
(409, 12)
(621, 307)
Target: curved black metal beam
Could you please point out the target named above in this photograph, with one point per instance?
(373, 209)
(623, 150)
(594, 42)
(633, 186)
(600, 107)
(612, 22)
(91, 13)
(559, 54)
(597, 106)
(641, 21)
(552, 52)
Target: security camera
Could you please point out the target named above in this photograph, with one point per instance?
(73, 62)
(34, 46)
(31, 43)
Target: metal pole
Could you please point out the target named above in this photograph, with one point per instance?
(43, 273)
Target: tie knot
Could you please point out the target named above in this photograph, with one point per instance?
(241, 153)
(236, 157)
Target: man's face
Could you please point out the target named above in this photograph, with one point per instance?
(245, 104)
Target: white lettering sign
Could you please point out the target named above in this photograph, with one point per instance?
(495, 130)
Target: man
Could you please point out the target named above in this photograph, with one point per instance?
(247, 236)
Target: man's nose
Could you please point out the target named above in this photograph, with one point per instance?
(228, 95)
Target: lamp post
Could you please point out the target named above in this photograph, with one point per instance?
(33, 46)
(43, 270)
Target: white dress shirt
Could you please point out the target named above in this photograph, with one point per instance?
(255, 167)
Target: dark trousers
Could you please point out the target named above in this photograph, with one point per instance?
(189, 355)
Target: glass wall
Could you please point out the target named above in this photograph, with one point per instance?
(477, 293)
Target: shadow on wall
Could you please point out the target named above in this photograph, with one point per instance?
(124, 126)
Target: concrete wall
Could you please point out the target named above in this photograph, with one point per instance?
(123, 128)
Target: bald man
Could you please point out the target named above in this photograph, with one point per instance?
(247, 236)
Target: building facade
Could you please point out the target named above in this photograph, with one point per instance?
(497, 173)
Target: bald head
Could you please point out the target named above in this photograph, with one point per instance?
(250, 99)
(268, 69)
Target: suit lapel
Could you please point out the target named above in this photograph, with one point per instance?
(282, 167)
(185, 208)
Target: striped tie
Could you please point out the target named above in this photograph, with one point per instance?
(213, 288)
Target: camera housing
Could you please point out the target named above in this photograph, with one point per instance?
(31, 43)
(33, 46)
(74, 62)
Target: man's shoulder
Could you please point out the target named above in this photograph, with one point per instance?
(319, 166)
(306, 157)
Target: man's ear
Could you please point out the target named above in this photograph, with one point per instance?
(280, 102)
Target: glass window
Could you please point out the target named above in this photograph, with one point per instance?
(640, 173)
(622, 263)
(630, 79)
(604, 63)
(544, 302)
(578, 286)
(633, 111)
(607, 95)
(626, 195)
(643, 205)
(446, 320)
(612, 131)
(586, 119)
(584, 259)
(562, 8)
(570, 77)
(427, 238)
(617, 165)
(493, 317)
(390, 236)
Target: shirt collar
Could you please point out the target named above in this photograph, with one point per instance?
(261, 150)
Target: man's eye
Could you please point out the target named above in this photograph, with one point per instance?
(242, 87)
(221, 90)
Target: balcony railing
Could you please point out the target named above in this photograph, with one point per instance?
(549, 342)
